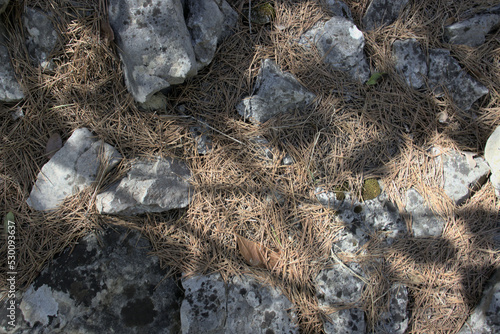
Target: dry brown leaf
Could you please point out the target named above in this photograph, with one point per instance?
(53, 145)
(256, 254)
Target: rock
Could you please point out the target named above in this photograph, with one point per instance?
(337, 8)
(382, 12)
(105, 284)
(460, 178)
(73, 168)
(41, 36)
(154, 44)
(472, 32)
(395, 319)
(3, 5)
(276, 92)
(339, 286)
(149, 186)
(445, 72)
(425, 223)
(380, 214)
(485, 319)
(10, 90)
(201, 134)
(243, 306)
(351, 238)
(492, 156)
(208, 22)
(410, 61)
(340, 44)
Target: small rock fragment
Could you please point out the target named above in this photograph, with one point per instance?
(410, 61)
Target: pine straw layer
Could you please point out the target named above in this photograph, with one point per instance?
(350, 133)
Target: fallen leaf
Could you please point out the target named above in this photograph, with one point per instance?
(53, 145)
(256, 254)
(374, 78)
(8, 217)
(470, 158)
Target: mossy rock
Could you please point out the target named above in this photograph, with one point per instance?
(371, 189)
(263, 13)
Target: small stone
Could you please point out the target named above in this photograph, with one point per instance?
(492, 156)
(382, 12)
(41, 36)
(156, 102)
(410, 62)
(201, 134)
(425, 223)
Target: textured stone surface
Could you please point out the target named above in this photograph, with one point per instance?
(41, 36)
(105, 284)
(425, 223)
(492, 156)
(73, 168)
(149, 186)
(382, 12)
(382, 215)
(410, 61)
(341, 45)
(241, 306)
(472, 32)
(10, 90)
(395, 319)
(460, 178)
(276, 92)
(350, 321)
(201, 133)
(337, 8)
(485, 319)
(445, 72)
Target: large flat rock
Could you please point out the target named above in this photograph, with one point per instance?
(10, 89)
(425, 223)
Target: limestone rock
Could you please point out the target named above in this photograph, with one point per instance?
(10, 90)
(410, 61)
(492, 156)
(485, 319)
(337, 8)
(445, 72)
(105, 284)
(460, 178)
(341, 44)
(243, 306)
(395, 319)
(425, 223)
(382, 12)
(41, 36)
(276, 92)
(351, 238)
(73, 168)
(350, 321)
(472, 32)
(382, 215)
(149, 186)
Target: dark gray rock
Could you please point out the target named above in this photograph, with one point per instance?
(382, 12)
(10, 89)
(105, 284)
(276, 92)
(492, 156)
(382, 215)
(201, 133)
(395, 319)
(485, 319)
(445, 73)
(337, 8)
(425, 223)
(410, 61)
(149, 186)
(73, 168)
(340, 44)
(41, 36)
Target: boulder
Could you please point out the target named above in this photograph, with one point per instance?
(382, 12)
(472, 32)
(105, 284)
(337, 8)
(340, 43)
(276, 92)
(492, 156)
(395, 319)
(10, 90)
(241, 306)
(41, 37)
(73, 168)
(149, 186)
(425, 223)
(410, 62)
(445, 73)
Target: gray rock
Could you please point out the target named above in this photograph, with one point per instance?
(445, 72)
(460, 178)
(105, 284)
(337, 8)
(156, 102)
(154, 44)
(425, 223)
(382, 215)
(472, 32)
(243, 306)
(492, 156)
(10, 90)
(349, 321)
(382, 12)
(73, 168)
(201, 134)
(208, 22)
(485, 319)
(395, 319)
(41, 36)
(149, 186)
(276, 92)
(340, 44)
(3, 5)
(410, 61)
(351, 238)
